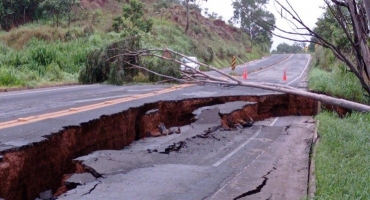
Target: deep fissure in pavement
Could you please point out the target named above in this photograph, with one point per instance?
(38, 167)
(258, 188)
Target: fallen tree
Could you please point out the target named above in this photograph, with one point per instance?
(199, 77)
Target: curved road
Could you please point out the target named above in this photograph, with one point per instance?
(241, 164)
(21, 104)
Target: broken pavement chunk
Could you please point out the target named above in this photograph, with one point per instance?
(79, 179)
(46, 195)
(162, 129)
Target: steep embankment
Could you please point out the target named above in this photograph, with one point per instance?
(41, 52)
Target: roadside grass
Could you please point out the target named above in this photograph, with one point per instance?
(38, 61)
(330, 76)
(9, 77)
(343, 154)
(343, 157)
(338, 83)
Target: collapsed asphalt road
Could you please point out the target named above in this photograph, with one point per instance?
(204, 161)
(38, 154)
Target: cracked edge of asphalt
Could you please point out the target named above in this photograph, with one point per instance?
(92, 189)
(311, 185)
(258, 188)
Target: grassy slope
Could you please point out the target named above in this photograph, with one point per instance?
(343, 159)
(330, 76)
(38, 53)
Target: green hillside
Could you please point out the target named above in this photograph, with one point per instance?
(44, 47)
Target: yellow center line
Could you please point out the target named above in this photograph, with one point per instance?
(70, 111)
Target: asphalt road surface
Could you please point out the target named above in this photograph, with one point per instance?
(266, 161)
(21, 104)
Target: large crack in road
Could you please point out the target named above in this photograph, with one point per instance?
(27, 171)
(258, 188)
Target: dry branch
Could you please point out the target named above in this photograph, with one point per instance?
(356, 32)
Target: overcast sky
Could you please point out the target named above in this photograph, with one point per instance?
(308, 10)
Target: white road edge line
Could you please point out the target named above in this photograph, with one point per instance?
(273, 122)
(237, 149)
(218, 191)
(308, 62)
(241, 146)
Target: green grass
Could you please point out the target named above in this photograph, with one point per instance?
(331, 76)
(336, 83)
(343, 154)
(41, 61)
(38, 53)
(343, 157)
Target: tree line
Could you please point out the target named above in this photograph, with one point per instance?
(16, 12)
(296, 47)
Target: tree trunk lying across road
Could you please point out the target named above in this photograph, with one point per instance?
(280, 88)
(199, 77)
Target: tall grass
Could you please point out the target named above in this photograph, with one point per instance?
(343, 159)
(57, 58)
(332, 77)
(337, 83)
(10, 77)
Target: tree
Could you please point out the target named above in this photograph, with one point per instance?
(294, 48)
(132, 20)
(12, 12)
(188, 13)
(199, 77)
(252, 17)
(56, 8)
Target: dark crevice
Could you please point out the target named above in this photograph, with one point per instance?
(92, 189)
(174, 147)
(92, 171)
(258, 188)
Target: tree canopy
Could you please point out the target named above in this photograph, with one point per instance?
(16, 12)
(254, 19)
(294, 48)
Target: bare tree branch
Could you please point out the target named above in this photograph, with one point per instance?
(357, 38)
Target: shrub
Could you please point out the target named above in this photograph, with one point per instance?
(19, 38)
(43, 54)
(161, 67)
(8, 77)
(74, 33)
(53, 72)
(111, 63)
(140, 78)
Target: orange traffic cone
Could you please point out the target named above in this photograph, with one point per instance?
(245, 74)
(284, 75)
